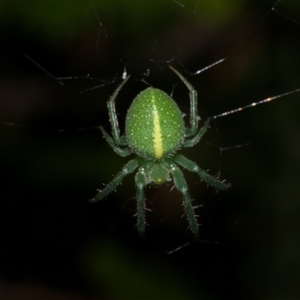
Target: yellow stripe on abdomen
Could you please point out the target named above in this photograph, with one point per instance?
(157, 138)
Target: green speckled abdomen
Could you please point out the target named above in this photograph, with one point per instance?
(154, 124)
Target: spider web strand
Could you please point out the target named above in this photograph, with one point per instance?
(254, 104)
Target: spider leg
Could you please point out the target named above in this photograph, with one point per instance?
(121, 151)
(193, 141)
(193, 167)
(140, 181)
(193, 106)
(181, 185)
(119, 140)
(127, 169)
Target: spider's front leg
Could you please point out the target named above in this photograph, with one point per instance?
(181, 185)
(120, 151)
(116, 140)
(193, 141)
(127, 169)
(119, 140)
(193, 104)
(140, 181)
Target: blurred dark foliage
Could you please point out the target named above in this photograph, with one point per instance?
(53, 240)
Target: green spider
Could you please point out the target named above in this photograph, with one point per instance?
(155, 131)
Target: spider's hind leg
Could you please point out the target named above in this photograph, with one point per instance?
(193, 167)
(140, 181)
(181, 185)
(127, 169)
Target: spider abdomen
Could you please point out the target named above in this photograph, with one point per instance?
(154, 124)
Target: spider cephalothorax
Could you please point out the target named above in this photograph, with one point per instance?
(155, 131)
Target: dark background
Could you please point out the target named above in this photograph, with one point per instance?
(55, 245)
